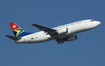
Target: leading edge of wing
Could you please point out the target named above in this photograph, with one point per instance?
(46, 29)
(50, 31)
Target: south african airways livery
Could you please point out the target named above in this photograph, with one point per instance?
(60, 34)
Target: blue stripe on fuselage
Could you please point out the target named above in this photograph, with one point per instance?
(23, 34)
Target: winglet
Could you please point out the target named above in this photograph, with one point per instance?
(13, 37)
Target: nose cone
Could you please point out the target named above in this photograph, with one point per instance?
(95, 24)
(98, 23)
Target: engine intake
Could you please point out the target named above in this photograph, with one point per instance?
(71, 38)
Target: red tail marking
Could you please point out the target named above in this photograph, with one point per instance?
(14, 26)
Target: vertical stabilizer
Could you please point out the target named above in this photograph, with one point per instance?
(16, 29)
(18, 32)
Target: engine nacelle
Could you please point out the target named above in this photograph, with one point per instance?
(62, 31)
(71, 38)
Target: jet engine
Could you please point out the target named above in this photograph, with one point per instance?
(62, 31)
(71, 38)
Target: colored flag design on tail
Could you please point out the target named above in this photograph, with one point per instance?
(16, 29)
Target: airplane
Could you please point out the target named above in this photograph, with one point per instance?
(61, 33)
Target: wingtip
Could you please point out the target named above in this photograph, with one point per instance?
(33, 24)
(5, 35)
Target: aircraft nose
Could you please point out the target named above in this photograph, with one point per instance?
(98, 23)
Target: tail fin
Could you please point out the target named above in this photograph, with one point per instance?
(16, 29)
(18, 32)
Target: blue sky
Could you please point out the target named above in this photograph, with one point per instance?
(87, 50)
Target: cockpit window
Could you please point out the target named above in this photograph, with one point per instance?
(92, 20)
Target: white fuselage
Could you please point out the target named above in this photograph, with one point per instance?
(73, 28)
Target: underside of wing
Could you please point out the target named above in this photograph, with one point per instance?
(62, 40)
(68, 39)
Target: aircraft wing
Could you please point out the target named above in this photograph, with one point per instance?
(50, 31)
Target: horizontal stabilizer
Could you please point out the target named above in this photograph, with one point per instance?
(13, 37)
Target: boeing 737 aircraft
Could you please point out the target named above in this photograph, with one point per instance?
(60, 34)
